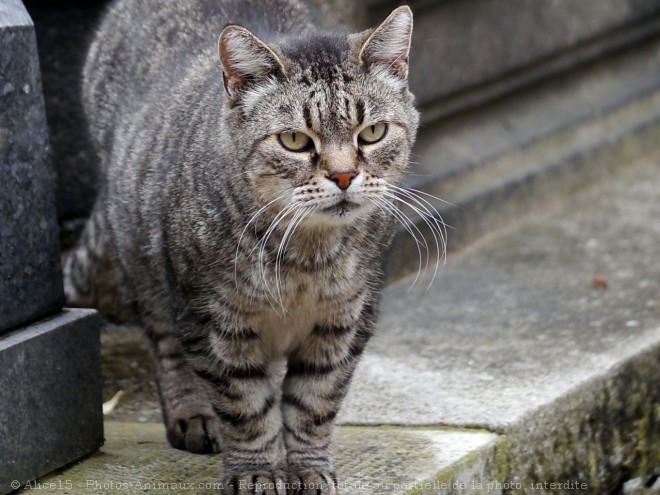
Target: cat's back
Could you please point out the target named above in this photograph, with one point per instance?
(143, 48)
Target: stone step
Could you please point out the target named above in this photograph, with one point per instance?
(465, 53)
(532, 149)
(50, 397)
(371, 460)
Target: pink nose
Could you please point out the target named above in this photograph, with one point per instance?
(343, 179)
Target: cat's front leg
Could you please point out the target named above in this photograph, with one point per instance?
(244, 389)
(190, 421)
(317, 380)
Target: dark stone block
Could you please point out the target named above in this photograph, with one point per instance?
(30, 273)
(50, 395)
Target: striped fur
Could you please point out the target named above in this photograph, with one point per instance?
(254, 274)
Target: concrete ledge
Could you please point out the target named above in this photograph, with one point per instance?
(601, 433)
(370, 461)
(50, 396)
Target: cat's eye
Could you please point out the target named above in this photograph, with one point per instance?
(373, 133)
(295, 140)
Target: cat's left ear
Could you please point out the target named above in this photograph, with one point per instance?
(389, 44)
(245, 59)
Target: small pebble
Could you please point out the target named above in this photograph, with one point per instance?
(600, 282)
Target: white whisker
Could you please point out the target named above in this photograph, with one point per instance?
(417, 191)
(247, 225)
(407, 224)
(431, 217)
(293, 223)
(262, 249)
(434, 232)
(432, 213)
(428, 207)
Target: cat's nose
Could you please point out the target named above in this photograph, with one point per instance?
(342, 179)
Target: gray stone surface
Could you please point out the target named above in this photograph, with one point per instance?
(341, 14)
(63, 29)
(559, 107)
(50, 396)
(30, 274)
(514, 337)
(534, 148)
(458, 46)
(370, 461)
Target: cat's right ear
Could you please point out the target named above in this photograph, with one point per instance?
(245, 59)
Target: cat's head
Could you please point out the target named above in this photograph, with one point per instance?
(324, 122)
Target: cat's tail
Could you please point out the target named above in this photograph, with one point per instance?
(90, 278)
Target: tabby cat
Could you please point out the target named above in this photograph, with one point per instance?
(248, 198)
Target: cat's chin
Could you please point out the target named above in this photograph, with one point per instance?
(342, 213)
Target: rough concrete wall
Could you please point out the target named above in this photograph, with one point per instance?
(342, 13)
(461, 44)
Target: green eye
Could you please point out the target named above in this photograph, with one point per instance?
(373, 133)
(295, 140)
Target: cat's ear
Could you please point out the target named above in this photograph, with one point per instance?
(389, 44)
(245, 59)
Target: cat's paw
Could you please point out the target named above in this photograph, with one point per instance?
(311, 482)
(195, 432)
(256, 482)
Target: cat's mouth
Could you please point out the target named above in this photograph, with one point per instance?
(341, 208)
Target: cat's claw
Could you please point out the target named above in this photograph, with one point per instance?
(256, 482)
(313, 483)
(198, 434)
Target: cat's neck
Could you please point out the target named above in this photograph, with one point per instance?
(313, 243)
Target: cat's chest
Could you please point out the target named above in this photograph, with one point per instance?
(299, 301)
(284, 328)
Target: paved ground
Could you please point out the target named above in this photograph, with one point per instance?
(136, 459)
(533, 359)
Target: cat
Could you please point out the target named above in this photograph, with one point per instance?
(247, 202)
